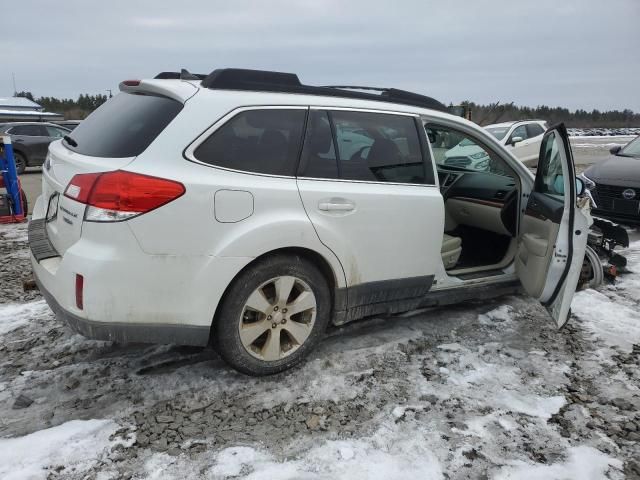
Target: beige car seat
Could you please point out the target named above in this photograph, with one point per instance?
(451, 249)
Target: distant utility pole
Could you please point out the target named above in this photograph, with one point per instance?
(109, 90)
(15, 90)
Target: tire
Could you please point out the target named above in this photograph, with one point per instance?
(25, 203)
(21, 162)
(591, 275)
(255, 331)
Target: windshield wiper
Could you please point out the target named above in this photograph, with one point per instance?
(70, 141)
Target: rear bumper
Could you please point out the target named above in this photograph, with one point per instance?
(129, 296)
(126, 332)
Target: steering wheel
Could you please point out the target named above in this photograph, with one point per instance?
(509, 211)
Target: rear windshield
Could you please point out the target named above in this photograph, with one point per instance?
(124, 126)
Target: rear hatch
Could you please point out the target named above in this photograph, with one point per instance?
(109, 139)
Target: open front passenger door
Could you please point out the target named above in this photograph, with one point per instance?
(553, 228)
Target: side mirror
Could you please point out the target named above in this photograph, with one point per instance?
(615, 150)
(580, 186)
(515, 140)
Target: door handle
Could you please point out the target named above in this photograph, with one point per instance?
(333, 206)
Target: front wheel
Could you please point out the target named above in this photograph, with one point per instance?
(272, 315)
(591, 275)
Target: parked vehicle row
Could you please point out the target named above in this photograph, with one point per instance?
(246, 210)
(602, 132)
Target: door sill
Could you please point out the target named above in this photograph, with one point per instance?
(478, 275)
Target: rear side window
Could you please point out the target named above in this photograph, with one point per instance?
(258, 141)
(534, 130)
(124, 126)
(28, 130)
(379, 147)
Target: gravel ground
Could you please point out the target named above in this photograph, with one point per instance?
(481, 390)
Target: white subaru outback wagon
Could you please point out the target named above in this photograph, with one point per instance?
(248, 211)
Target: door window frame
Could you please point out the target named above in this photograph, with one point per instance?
(427, 158)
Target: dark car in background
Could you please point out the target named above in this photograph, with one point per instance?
(616, 184)
(31, 141)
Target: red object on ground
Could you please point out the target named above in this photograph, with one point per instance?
(13, 218)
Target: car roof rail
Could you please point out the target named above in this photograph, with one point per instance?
(267, 81)
(183, 74)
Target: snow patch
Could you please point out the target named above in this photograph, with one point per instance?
(583, 463)
(530, 404)
(503, 313)
(616, 323)
(72, 445)
(15, 233)
(15, 315)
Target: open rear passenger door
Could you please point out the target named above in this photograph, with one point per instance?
(553, 228)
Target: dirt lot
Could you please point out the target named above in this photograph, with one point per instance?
(483, 390)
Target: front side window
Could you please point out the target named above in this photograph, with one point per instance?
(521, 132)
(549, 177)
(455, 149)
(56, 132)
(379, 147)
(259, 141)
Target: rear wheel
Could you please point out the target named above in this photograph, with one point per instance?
(273, 314)
(21, 162)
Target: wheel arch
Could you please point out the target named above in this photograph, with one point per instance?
(317, 259)
(23, 153)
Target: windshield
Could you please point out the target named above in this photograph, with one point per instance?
(632, 148)
(124, 126)
(498, 132)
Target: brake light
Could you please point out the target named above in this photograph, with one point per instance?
(79, 291)
(131, 83)
(119, 195)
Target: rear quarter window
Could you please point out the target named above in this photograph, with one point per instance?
(259, 141)
(124, 126)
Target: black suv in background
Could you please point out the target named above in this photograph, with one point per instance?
(31, 141)
(615, 184)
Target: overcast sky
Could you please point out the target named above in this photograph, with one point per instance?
(573, 53)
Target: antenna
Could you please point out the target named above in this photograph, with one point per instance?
(15, 90)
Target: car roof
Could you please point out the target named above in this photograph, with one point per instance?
(509, 124)
(179, 85)
(28, 123)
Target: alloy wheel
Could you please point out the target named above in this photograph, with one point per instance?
(277, 318)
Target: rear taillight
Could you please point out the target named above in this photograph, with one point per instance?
(120, 195)
(79, 291)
